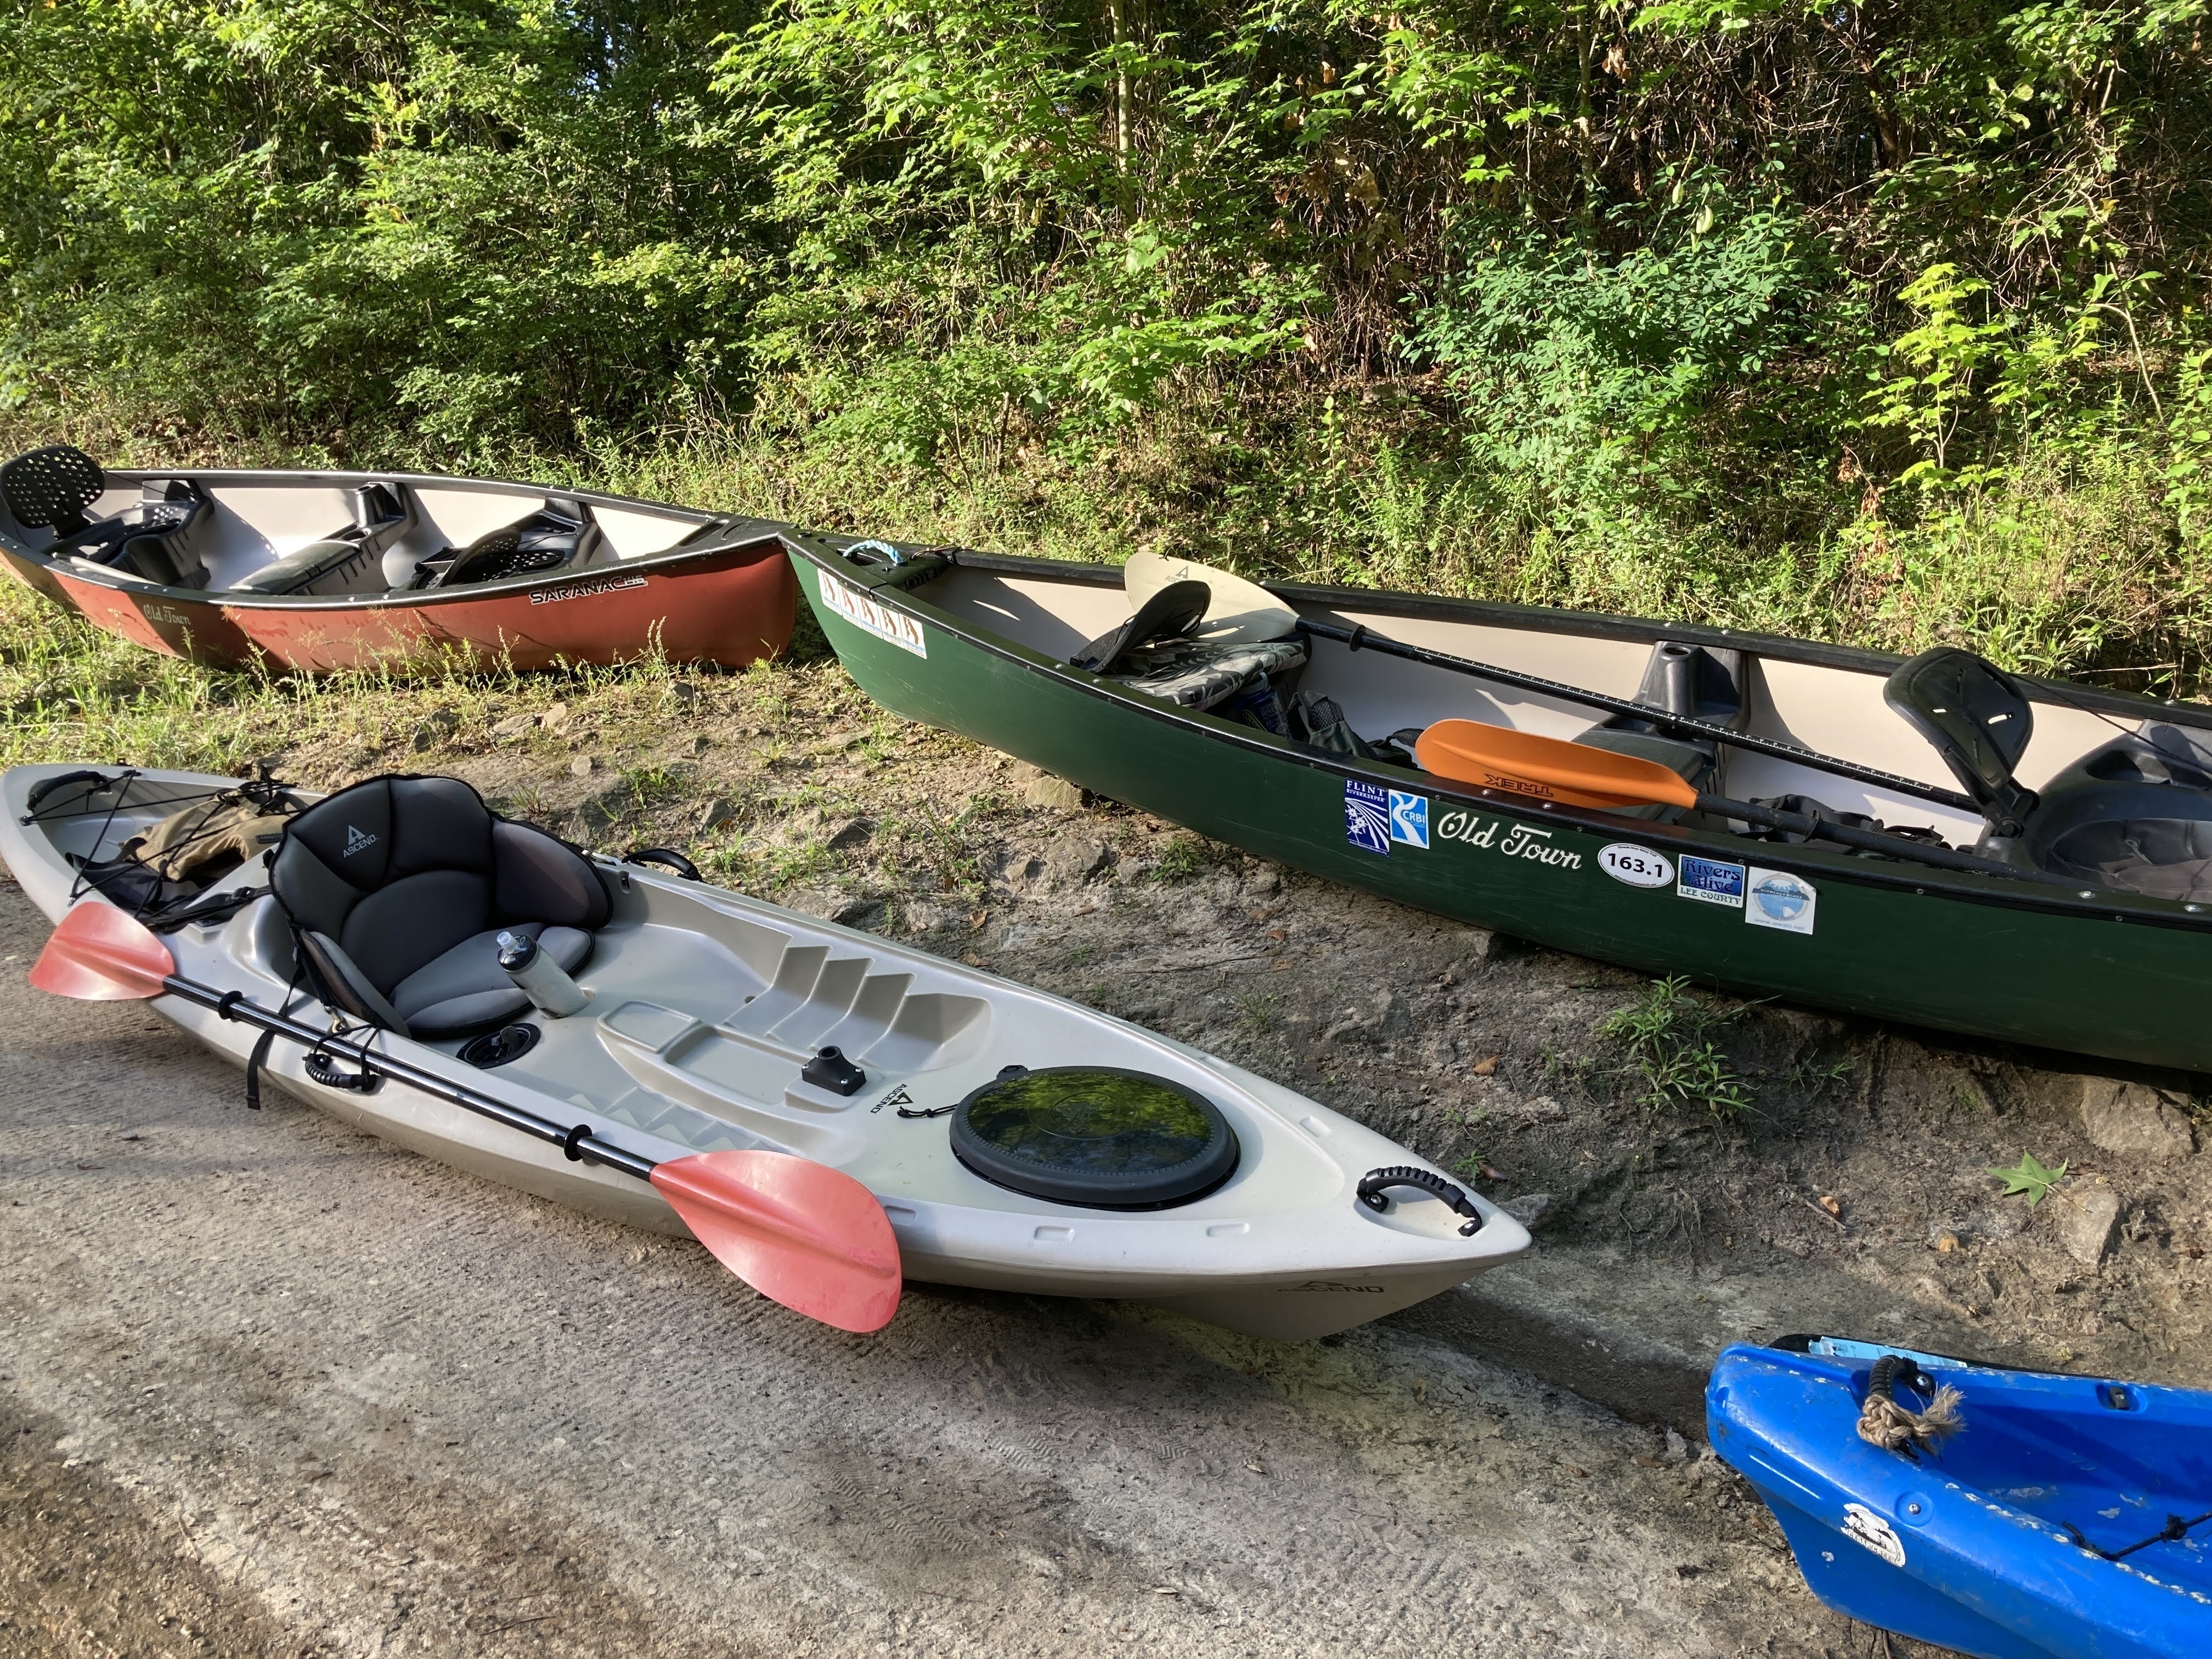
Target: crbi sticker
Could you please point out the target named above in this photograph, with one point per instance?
(863, 612)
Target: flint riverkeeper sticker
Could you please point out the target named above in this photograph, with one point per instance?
(1409, 818)
(1367, 815)
(1781, 900)
(1639, 866)
(1876, 1534)
(1711, 880)
(885, 623)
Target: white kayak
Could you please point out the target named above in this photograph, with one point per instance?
(1016, 1140)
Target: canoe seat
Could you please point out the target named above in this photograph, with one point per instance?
(2135, 814)
(159, 540)
(326, 567)
(546, 540)
(398, 889)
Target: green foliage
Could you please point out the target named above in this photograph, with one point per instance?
(2030, 1178)
(1877, 322)
(1675, 1061)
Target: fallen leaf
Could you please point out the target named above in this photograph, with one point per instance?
(1255, 1469)
(1279, 932)
(2030, 1178)
(1579, 1475)
(976, 918)
(1830, 1205)
(1486, 1067)
(1650, 1463)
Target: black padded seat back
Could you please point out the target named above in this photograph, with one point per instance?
(396, 873)
(51, 488)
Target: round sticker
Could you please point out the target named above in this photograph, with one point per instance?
(1639, 866)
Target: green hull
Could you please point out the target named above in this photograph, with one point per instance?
(2114, 975)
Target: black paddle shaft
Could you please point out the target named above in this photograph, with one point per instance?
(578, 1141)
(1812, 824)
(1358, 639)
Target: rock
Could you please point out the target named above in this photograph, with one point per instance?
(513, 726)
(851, 833)
(827, 902)
(1542, 1109)
(684, 692)
(2087, 1224)
(2135, 1120)
(555, 717)
(1056, 793)
(582, 766)
(437, 725)
(1264, 880)
(607, 808)
(717, 813)
(1530, 1208)
(1070, 862)
(701, 743)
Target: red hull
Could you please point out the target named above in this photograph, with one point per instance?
(732, 606)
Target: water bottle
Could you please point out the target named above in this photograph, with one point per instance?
(539, 977)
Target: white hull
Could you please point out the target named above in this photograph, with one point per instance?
(704, 1005)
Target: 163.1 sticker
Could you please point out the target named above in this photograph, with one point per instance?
(1639, 866)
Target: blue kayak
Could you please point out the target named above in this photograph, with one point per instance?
(2025, 1515)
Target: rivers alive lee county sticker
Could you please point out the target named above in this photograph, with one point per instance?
(1781, 900)
(885, 623)
(1711, 880)
(1639, 866)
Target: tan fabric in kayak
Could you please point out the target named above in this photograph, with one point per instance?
(230, 828)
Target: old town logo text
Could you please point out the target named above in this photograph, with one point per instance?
(1514, 841)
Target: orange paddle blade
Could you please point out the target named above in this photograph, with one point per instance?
(1548, 768)
(798, 1233)
(101, 955)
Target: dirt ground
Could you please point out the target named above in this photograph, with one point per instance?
(272, 1387)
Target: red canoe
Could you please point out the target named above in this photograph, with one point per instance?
(337, 570)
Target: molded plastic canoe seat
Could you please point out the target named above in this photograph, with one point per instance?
(398, 887)
(327, 567)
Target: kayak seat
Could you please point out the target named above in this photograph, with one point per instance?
(158, 540)
(398, 889)
(334, 565)
(2134, 814)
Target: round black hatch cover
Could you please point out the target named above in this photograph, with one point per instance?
(1095, 1135)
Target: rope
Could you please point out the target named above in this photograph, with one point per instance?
(1893, 1427)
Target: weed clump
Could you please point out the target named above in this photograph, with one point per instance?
(1677, 1067)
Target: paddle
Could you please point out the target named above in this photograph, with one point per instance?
(1576, 774)
(1360, 640)
(798, 1233)
(1238, 612)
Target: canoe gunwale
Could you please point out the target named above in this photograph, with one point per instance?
(884, 584)
(1590, 624)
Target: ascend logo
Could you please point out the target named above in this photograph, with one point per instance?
(358, 841)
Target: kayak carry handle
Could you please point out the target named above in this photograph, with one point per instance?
(665, 856)
(1375, 1182)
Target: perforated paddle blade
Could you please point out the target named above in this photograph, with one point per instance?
(1546, 769)
(798, 1233)
(101, 955)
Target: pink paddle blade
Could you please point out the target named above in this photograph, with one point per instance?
(101, 955)
(798, 1233)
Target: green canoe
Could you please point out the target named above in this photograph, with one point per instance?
(2110, 956)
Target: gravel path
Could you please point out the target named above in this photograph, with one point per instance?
(270, 1387)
